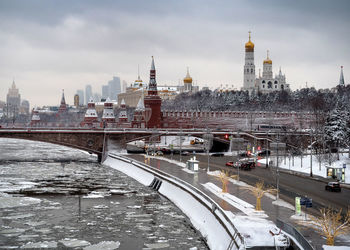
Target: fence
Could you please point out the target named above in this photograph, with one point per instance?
(292, 231)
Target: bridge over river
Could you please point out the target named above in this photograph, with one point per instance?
(96, 140)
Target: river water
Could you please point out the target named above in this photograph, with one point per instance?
(54, 197)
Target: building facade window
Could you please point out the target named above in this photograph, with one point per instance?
(269, 85)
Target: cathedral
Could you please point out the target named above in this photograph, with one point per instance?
(265, 83)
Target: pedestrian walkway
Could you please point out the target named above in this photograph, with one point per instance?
(201, 177)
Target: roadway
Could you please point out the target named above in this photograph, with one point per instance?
(290, 185)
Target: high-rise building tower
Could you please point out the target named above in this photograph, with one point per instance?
(114, 88)
(88, 93)
(152, 101)
(105, 92)
(249, 67)
(13, 101)
(80, 93)
(76, 100)
(341, 80)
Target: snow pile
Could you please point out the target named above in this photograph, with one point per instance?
(136, 173)
(200, 216)
(325, 247)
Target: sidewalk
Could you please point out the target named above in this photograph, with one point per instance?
(201, 177)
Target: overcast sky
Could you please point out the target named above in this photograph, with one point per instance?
(47, 46)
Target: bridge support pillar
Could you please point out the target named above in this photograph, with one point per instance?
(99, 158)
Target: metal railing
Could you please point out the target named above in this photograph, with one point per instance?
(205, 200)
(292, 231)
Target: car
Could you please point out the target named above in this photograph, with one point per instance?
(159, 153)
(185, 153)
(333, 187)
(230, 164)
(264, 152)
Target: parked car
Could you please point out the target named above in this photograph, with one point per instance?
(333, 187)
(185, 152)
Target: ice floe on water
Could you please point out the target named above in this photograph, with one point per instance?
(43, 244)
(8, 202)
(105, 245)
(67, 242)
(156, 246)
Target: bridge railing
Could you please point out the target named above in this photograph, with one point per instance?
(201, 197)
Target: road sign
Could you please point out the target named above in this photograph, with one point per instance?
(297, 206)
(307, 202)
(344, 165)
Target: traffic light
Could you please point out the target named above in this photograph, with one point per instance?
(259, 148)
(226, 136)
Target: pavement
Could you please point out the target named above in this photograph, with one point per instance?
(201, 177)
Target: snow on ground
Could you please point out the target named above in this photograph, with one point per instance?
(254, 227)
(138, 174)
(325, 247)
(303, 164)
(258, 231)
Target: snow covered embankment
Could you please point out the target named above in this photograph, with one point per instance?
(183, 197)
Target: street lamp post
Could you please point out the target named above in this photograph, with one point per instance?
(238, 141)
(311, 155)
(277, 146)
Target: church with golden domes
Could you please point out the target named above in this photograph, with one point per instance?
(266, 82)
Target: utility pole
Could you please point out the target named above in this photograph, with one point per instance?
(311, 155)
(277, 146)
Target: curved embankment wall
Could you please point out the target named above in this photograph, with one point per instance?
(205, 215)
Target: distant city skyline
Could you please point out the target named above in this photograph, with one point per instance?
(54, 45)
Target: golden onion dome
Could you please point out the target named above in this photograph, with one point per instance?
(188, 78)
(267, 60)
(249, 46)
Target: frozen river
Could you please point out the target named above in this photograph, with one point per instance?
(55, 197)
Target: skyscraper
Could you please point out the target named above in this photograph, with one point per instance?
(80, 93)
(13, 101)
(105, 92)
(88, 93)
(114, 88)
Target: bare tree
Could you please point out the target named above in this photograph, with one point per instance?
(224, 178)
(258, 191)
(331, 224)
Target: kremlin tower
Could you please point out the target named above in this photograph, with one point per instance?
(35, 121)
(152, 101)
(249, 67)
(63, 106)
(123, 117)
(90, 118)
(139, 118)
(108, 118)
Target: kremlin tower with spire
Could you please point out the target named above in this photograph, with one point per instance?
(152, 101)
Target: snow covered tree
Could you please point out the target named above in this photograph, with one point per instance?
(331, 224)
(336, 128)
